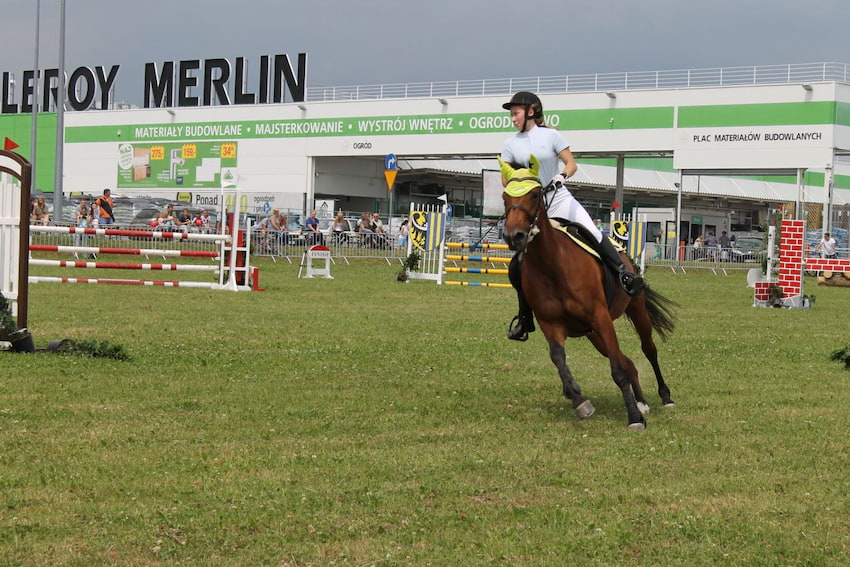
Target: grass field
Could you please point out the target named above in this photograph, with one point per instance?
(360, 421)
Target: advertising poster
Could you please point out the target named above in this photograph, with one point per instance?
(176, 165)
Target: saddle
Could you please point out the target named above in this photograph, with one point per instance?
(579, 235)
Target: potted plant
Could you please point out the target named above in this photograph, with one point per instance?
(21, 339)
(409, 265)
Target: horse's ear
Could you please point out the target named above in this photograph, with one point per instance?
(507, 170)
(535, 165)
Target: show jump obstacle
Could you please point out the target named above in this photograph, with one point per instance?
(233, 253)
(15, 178)
(792, 264)
(234, 269)
(427, 238)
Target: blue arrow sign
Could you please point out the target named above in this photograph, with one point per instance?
(390, 162)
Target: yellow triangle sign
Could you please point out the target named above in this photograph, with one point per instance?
(389, 175)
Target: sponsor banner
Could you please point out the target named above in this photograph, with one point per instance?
(164, 165)
(252, 203)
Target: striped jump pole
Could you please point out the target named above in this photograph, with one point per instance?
(48, 279)
(130, 251)
(119, 266)
(155, 235)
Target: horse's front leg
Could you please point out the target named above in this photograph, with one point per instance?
(572, 390)
(623, 370)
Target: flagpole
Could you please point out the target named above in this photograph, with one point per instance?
(60, 121)
(34, 132)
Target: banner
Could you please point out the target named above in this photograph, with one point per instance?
(631, 234)
(427, 230)
(167, 165)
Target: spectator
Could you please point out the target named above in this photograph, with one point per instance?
(95, 215)
(158, 221)
(169, 218)
(82, 219)
(206, 222)
(711, 246)
(39, 212)
(33, 214)
(184, 220)
(699, 244)
(338, 228)
(827, 246)
(403, 232)
(380, 238)
(364, 228)
(725, 244)
(276, 227)
(377, 225)
(315, 235)
(105, 208)
(198, 222)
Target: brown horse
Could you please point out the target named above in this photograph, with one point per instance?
(565, 287)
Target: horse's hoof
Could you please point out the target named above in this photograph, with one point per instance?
(644, 408)
(671, 405)
(585, 409)
(637, 426)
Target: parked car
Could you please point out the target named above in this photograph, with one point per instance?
(748, 249)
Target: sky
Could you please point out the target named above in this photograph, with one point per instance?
(369, 42)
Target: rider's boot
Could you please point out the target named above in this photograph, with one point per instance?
(523, 323)
(630, 281)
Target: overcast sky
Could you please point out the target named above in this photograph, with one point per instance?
(365, 42)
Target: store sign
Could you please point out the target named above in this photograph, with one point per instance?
(188, 83)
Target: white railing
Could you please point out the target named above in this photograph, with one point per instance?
(683, 78)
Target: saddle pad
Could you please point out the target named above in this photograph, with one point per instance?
(582, 244)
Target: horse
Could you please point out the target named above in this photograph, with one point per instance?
(565, 287)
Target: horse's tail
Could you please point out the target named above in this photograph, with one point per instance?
(661, 312)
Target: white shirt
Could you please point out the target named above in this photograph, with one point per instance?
(546, 144)
(828, 246)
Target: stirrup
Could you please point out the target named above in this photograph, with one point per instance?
(517, 330)
(631, 282)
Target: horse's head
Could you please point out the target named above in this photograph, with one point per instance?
(523, 198)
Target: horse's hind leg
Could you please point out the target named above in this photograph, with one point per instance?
(572, 390)
(643, 326)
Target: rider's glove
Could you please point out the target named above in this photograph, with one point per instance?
(559, 180)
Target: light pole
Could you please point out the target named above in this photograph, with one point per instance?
(60, 119)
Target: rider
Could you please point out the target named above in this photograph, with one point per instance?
(547, 144)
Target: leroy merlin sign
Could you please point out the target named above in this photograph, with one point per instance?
(163, 165)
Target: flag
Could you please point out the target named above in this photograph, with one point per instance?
(9, 145)
(615, 204)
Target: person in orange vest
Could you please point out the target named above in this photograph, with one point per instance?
(104, 203)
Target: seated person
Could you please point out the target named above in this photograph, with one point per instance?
(184, 220)
(339, 227)
(364, 228)
(168, 217)
(380, 239)
(39, 212)
(314, 234)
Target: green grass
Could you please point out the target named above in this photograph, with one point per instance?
(361, 421)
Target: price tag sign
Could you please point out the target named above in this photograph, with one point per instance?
(228, 150)
(190, 151)
(157, 152)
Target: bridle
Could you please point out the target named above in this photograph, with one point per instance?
(539, 194)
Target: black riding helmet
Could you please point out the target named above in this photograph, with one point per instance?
(528, 100)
